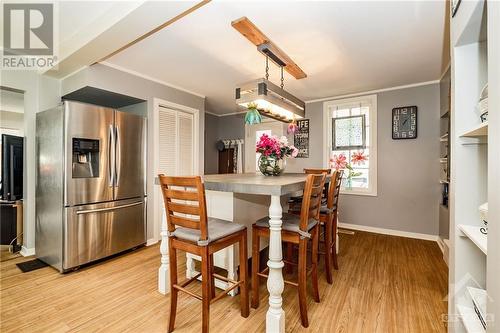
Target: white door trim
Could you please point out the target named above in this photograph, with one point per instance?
(156, 200)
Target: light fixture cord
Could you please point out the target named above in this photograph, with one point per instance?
(267, 67)
(282, 79)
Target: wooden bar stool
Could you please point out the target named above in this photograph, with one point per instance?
(295, 230)
(191, 231)
(327, 218)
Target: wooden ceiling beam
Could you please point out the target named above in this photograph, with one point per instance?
(244, 26)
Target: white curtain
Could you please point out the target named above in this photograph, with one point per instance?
(237, 155)
(239, 158)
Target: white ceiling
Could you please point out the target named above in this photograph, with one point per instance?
(344, 47)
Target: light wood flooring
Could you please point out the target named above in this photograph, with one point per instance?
(385, 284)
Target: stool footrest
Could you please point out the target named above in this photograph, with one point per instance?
(187, 291)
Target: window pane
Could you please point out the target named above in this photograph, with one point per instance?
(348, 132)
(360, 181)
(341, 113)
(355, 111)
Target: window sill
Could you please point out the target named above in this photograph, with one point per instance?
(358, 192)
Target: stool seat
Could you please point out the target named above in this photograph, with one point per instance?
(290, 223)
(325, 210)
(217, 229)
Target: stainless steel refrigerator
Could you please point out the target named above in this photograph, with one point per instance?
(91, 184)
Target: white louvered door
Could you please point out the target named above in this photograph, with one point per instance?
(176, 142)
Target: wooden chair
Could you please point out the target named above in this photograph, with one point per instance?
(190, 230)
(295, 201)
(328, 219)
(295, 230)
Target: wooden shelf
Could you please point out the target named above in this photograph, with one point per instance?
(470, 319)
(476, 132)
(476, 236)
(443, 160)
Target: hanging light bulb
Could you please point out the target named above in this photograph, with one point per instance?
(292, 127)
(252, 116)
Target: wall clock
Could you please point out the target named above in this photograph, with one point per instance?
(404, 122)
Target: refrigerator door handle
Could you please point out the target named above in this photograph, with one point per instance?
(111, 157)
(118, 156)
(98, 210)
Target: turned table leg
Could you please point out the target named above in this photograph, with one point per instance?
(163, 271)
(275, 317)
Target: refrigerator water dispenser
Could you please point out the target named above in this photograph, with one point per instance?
(85, 158)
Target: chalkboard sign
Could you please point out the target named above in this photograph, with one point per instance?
(301, 138)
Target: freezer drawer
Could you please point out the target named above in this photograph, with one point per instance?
(93, 232)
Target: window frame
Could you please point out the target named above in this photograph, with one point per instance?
(334, 133)
(328, 107)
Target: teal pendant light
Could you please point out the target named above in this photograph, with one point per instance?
(252, 116)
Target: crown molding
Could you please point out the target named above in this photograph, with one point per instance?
(373, 91)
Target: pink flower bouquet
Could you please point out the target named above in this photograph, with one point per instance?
(273, 151)
(339, 162)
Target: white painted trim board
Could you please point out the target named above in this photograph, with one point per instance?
(390, 232)
(26, 252)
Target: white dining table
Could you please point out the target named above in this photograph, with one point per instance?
(275, 188)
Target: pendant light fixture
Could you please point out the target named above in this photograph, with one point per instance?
(269, 99)
(261, 96)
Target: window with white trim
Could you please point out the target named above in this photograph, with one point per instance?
(352, 133)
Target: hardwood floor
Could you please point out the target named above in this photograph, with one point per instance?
(385, 284)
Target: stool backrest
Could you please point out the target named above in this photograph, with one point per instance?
(313, 171)
(334, 189)
(185, 196)
(311, 201)
(317, 171)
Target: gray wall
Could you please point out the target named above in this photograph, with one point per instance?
(408, 170)
(219, 128)
(211, 137)
(107, 78)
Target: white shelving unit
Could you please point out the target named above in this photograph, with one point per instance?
(477, 132)
(474, 160)
(475, 235)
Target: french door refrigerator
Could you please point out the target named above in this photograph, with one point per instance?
(91, 184)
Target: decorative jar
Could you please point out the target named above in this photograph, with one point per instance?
(271, 166)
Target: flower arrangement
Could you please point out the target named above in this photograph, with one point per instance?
(273, 152)
(339, 162)
(292, 127)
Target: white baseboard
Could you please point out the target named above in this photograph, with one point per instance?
(445, 248)
(391, 232)
(151, 241)
(26, 252)
(441, 244)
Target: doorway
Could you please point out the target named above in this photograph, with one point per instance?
(12, 175)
